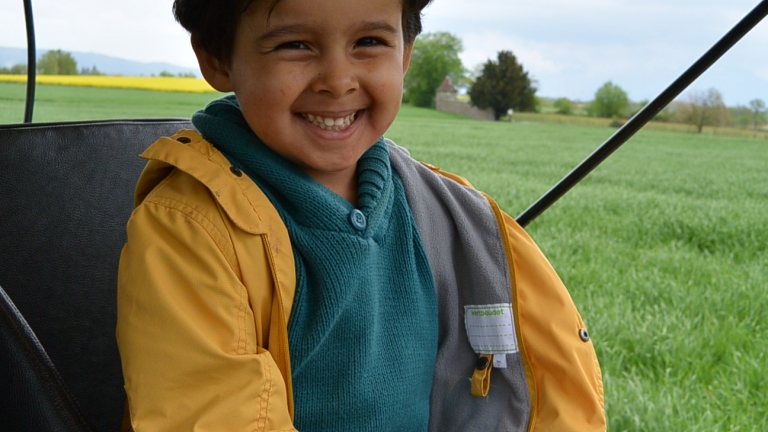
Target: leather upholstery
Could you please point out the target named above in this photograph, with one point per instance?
(33, 397)
(66, 192)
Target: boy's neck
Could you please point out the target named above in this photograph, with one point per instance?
(343, 184)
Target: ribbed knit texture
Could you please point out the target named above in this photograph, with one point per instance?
(363, 331)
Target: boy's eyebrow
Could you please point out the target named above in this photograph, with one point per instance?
(292, 29)
(378, 26)
(281, 31)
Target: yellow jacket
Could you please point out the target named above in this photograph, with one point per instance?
(205, 291)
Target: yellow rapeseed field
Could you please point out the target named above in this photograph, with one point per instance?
(170, 84)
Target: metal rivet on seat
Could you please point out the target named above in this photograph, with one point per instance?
(236, 171)
(583, 335)
(482, 363)
(184, 140)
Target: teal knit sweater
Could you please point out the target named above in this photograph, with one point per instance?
(363, 331)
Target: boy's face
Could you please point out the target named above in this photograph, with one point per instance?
(319, 81)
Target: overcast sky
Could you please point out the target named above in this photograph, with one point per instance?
(570, 47)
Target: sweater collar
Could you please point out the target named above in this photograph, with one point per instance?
(299, 198)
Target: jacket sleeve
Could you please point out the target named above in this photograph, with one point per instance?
(186, 332)
(563, 373)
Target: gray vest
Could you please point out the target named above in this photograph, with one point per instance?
(465, 250)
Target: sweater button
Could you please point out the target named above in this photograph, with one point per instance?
(183, 140)
(236, 171)
(357, 220)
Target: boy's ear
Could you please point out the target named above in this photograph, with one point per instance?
(213, 70)
(407, 57)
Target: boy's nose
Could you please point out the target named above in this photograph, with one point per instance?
(336, 77)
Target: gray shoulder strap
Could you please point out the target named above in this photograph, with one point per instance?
(463, 244)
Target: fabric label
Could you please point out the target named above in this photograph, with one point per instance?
(499, 361)
(491, 328)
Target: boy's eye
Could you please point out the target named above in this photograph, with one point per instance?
(292, 46)
(369, 42)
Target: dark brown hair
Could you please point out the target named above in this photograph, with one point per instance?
(213, 24)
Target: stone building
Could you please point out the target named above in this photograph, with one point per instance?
(446, 101)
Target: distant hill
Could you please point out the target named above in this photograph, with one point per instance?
(106, 64)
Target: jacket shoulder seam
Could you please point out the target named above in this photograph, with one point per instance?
(202, 220)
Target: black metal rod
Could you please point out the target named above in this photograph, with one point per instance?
(31, 62)
(646, 114)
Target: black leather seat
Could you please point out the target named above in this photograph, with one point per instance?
(66, 192)
(33, 397)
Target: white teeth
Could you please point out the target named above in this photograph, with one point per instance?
(330, 124)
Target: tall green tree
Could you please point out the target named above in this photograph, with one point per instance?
(502, 85)
(435, 56)
(610, 101)
(57, 62)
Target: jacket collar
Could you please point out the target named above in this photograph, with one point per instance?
(244, 203)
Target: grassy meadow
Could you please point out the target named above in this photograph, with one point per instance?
(63, 103)
(664, 247)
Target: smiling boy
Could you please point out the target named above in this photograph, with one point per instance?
(288, 268)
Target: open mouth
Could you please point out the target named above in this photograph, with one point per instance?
(330, 123)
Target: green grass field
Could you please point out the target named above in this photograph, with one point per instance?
(664, 247)
(58, 103)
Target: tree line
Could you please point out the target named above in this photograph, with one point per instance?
(503, 84)
(53, 62)
(698, 108)
(58, 62)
